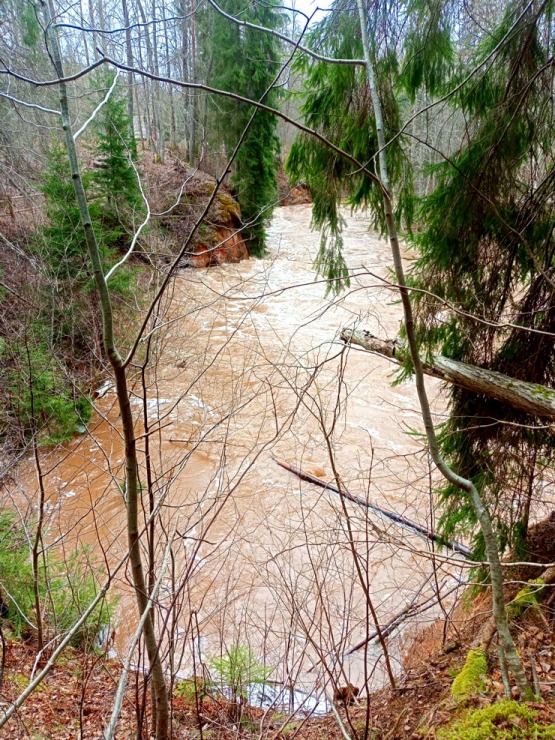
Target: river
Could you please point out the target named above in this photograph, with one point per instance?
(245, 367)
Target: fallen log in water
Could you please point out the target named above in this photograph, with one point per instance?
(391, 515)
(411, 610)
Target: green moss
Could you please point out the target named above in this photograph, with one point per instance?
(231, 207)
(290, 728)
(544, 393)
(507, 720)
(527, 597)
(470, 679)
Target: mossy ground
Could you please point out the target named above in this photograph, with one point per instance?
(470, 679)
(505, 720)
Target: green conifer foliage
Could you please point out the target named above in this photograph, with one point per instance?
(428, 48)
(485, 234)
(488, 247)
(246, 61)
(115, 178)
(337, 103)
(29, 24)
(61, 242)
(40, 400)
(112, 187)
(68, 330)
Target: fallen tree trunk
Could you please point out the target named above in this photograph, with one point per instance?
(391, 515)
(529, 397)
(411, 610)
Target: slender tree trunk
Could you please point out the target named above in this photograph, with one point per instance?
(131, 463)
(37, 550)
(482, 514)
(143, 105)
(184, 59)
(194, 101)
(102, 25)
(188, 66)
(173, 137)
(157, 99)
(152, 98)
(3, 660)
(92, 21)
(85, 36)
(37, 542)
(129, 58)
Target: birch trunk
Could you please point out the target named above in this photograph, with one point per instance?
(129, 58)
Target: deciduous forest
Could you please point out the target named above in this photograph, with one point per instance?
(277, 369)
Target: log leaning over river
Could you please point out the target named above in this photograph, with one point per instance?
(391, 515)
(529, 397)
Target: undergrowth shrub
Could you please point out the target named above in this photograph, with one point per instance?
(38, 399)
(192, 689)
(238, 670)
(66, 588)
(73, 585)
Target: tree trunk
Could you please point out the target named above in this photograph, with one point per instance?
(467, 486)
(194, 101)
(173, 127)
(152, 103)
(157, 99)
(529, 397)
(161, 707)
(102, 26)
(129, 59)
(391, 515)
(92, 21)
(85, 41)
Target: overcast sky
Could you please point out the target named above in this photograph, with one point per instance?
(309, 6)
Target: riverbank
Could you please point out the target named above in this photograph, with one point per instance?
(76, 698)
(243, 366)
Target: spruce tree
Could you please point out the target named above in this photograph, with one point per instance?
(61, 242)
(246, 61)
(485, 232)
(115, 178)
(487, 246)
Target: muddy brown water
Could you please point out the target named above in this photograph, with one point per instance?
(244, 367)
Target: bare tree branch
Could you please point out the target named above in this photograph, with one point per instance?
(36, 106)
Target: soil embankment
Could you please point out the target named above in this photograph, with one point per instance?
(179, 196)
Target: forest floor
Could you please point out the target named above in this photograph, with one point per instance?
(75, 699)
